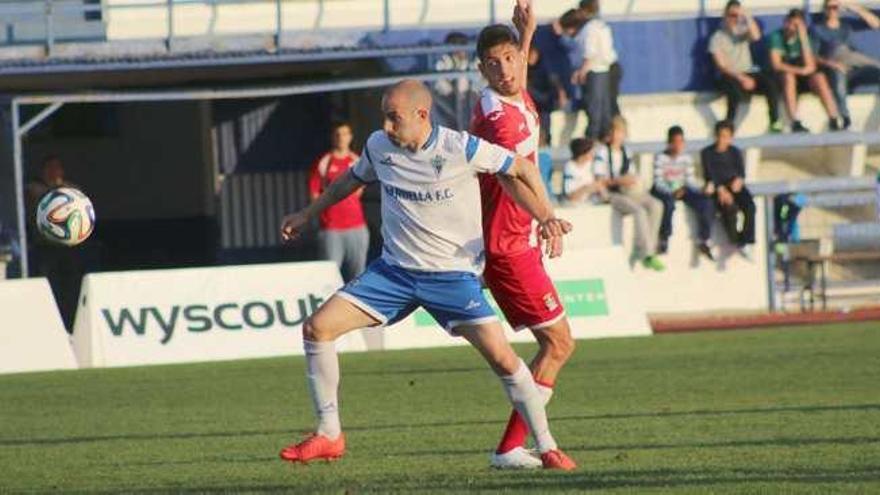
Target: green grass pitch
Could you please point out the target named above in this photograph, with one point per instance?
(775, 411)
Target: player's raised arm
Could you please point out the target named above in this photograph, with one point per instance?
(526, 23)
(292, 225)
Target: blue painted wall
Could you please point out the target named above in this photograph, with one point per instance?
(657, 56)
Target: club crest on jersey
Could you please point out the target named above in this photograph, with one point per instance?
(550, 301)
(387, 161)
(437, 163)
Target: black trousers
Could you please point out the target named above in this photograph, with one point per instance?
(696, 200)
(742, 201)
(616, 74)
(64, 267)
(765, 84)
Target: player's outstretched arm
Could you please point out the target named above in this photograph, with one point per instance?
(293, 225)
(525, 186)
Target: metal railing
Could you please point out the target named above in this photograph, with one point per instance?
(50, 13)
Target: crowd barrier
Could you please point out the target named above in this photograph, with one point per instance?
(198, 314)
(234, 312)
(32, 335)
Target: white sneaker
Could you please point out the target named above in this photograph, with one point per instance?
(518, 458)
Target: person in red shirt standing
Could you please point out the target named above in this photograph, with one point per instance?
(344, 237)
(506, 115)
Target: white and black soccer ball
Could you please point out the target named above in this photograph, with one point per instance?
(66, 216)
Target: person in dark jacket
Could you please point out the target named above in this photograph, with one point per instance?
(724, 171)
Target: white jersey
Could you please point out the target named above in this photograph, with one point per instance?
(576, 176)
(431, 210)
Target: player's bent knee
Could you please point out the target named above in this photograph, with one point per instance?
(313, 330)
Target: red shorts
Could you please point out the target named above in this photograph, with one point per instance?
(523, 290)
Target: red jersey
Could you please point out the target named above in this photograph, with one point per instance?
(507, 228)
(346, 214)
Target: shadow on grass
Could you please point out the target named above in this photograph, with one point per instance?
(586, 417)
(547, 482)
(769, 442)
(623, 448)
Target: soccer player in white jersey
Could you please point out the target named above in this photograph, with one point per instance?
(432, 256)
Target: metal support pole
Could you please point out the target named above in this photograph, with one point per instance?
(19, 132)
(386, 12)
(278, 24)
(50, 26)
(19, 189)
(36, 119)
(771, 255)
(169, 16)
(491, 11)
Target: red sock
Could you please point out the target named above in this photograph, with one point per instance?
(517, 431)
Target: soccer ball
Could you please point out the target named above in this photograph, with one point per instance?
(65, 216)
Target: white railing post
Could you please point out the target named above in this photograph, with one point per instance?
(278, 26)
(169, 16)
(772, 302)
(50, 26)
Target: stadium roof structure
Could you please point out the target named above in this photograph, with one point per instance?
(20, 71)
(208, 58)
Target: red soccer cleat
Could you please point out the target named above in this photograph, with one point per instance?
(315, 447)
(556, 459)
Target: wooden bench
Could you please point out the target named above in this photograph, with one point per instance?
(822, 260)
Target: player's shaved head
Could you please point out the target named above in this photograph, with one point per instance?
(407, 109)
(411, 92)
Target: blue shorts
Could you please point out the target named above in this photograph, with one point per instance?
(390, 293)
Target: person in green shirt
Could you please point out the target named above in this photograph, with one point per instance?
(792, 59)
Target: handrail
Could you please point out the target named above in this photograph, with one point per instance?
(48, 12)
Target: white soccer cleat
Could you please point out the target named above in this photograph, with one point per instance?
(518, 458)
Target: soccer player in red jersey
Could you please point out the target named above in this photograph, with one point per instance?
(506, 115)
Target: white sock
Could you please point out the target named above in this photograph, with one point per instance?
(527, 399)
(322, 375)
(546, 393)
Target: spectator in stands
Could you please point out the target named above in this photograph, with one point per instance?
(594, 47)
(454, 95)
(845, 66)
(63, 266)
(674, 180)
(615, 72)
(567, 27)
(724, 171)
(545, 88)
(344, 237)
(627, 195)
(791, 56)
(578, 183)
(554, 57)
(739, 76)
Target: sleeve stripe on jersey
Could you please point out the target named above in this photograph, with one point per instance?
(471, 148)
(507, 163)
(367, 154)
